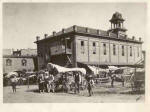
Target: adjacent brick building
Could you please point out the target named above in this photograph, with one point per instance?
(77, 44)
(20, 61)
(17, 63)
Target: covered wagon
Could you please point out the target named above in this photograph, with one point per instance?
(64, 77)
(138, 79)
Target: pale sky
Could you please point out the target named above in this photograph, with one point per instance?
(22, 22)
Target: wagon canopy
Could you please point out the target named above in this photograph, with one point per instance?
(96, 70)
(60, 69)
(113, 68)
(11, 74)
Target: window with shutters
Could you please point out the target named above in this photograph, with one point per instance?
(94, 48)
(104, 48)
(82, 47)
(130, 50)
(122, 50)
(114, 49)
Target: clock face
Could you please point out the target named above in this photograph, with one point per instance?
(121, 33)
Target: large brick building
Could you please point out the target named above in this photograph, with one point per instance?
(90, 46)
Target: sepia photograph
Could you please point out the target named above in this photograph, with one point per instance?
(74, 52)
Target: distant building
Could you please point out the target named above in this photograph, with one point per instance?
(25, 52)
(7, 51)
(29, 52)
(77, 44)
(18, 62)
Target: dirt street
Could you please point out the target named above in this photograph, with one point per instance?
(103, 93)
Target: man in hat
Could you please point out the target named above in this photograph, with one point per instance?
(41, 82)
(13, 80)
(51, 82)
(90, 84)
(77, 82)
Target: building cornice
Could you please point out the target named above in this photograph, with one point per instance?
(13, 56)
(89, 32)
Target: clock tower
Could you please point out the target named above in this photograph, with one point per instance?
(117, 26)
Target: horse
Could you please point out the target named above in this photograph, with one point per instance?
(117, 78)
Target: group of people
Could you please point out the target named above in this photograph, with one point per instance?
(45, 82)
(78, 82)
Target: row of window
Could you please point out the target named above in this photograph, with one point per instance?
(9, 62)
(105, 49)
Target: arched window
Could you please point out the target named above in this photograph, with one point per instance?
(8, 62)
(24, 62)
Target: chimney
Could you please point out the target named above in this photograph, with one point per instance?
(45, 35)
(98, 32)
(63, 30)
(140, 39)
(74, 28)
(87, 30)
(54, 33)
(37, 38)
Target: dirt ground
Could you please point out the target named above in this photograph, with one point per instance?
(103, 93)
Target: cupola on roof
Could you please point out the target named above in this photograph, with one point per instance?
(116, 16)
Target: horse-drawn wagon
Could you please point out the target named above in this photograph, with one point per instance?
(138, 79)
(64, 77)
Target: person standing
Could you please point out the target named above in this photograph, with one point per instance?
(77, 82)
(90, 84)
(13, 83)
(46, 81)
(51, 79)
(113, 77)
(64, 82)
(41, 83)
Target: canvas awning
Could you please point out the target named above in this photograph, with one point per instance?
(11, 74)
(113, 68)
(51, 66)
(96, 70)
